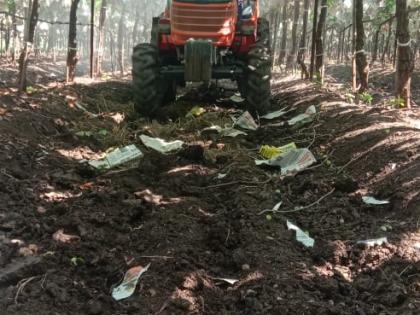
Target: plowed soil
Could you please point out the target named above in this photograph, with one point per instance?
(196, 215)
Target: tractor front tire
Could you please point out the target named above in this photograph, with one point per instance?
(146, 79)
(258, 77)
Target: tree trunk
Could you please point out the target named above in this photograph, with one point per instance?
(292, 56)
(33, 9)
(72, 43)
(313, 49)
(101, 38)
(283, 45)
(361, 63)
(404, 58)
(120, 43)
(319, 63)
(302, 45)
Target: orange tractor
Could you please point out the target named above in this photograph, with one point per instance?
(201, 41)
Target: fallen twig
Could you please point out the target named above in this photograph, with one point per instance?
(158, 257)
(21, 285)
(354, 159)
(237, 183)
(308, 206)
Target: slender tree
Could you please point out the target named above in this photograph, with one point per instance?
(302, 45)
(33, 9)
(405, 65)
(285, 26)
(292, 56)
(92, 36)
(360, 55)
(120, 44)
(319, 62)
(313, 48)
(101, 38)
(72, 43)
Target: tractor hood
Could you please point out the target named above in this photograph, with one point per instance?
(214, 20)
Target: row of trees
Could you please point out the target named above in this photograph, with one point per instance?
(104, 32)
(62, 30)
(347, 31)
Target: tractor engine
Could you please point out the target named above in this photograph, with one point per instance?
(199, 41)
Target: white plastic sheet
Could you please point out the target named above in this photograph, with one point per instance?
(161, 145)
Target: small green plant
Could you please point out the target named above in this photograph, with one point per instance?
(397, 102)
(366, 98)
(31, 90)
(77, 261)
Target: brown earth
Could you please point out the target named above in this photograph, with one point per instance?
(172, 210)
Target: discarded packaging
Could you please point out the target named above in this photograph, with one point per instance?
(293, 161)
(246, 121)
(161, 145)
(304, 118)
(226, 132)
(270, 152)
(237, 98)
(117, 157)
(274, 115)
(417, 246)
(227, 280)
(373, 201)
(373, 242)
(221, 176)
(128, 286)
(301, 236)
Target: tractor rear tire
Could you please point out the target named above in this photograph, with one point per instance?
(146, 79)
(258, 77)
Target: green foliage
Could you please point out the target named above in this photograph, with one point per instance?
(31, 90)
(397, 102)
(366, 98)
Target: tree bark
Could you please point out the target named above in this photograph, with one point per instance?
(33, 9)
(292, 56)
(302, 45)
(101, 38)
(313, 49)
(72, 43)
(405, 65)
(361, 63)
(285, 26)
(319, 62)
